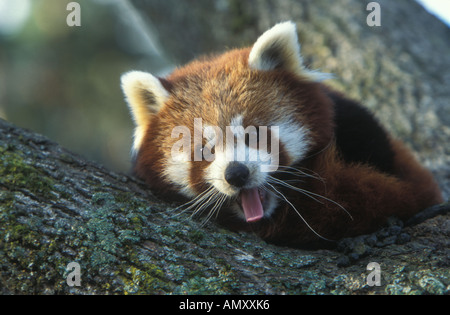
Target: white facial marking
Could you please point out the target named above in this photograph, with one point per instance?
(215, 174)
(295, 140)
(177, 170)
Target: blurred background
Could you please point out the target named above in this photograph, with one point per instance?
(63, 81)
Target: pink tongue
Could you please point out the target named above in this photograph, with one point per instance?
(251, 203)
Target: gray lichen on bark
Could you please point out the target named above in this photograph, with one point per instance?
(57, 208)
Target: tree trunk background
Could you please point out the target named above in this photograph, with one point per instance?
(57, 208)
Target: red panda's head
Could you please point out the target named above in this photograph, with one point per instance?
(217, 129)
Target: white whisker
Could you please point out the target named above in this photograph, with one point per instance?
(298, 172)
(194, 202)
(298, 213)
(209, 199)
(220, 200)
(309, 194)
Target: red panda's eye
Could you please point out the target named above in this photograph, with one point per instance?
(198, 152)
(204, 153)
(209, 152)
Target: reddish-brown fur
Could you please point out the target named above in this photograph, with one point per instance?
(201, 89)
(370, 197)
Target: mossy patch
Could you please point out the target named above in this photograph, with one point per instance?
(224, 283)
(36, 259)
(17, 173)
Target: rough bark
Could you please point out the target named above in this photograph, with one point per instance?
(57, 208)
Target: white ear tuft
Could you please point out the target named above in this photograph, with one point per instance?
(279, 48)
(145, 96)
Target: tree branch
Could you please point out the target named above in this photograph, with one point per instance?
(57, 208)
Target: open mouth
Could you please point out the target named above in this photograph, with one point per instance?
(252, 201)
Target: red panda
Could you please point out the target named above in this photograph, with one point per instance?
(254, 139)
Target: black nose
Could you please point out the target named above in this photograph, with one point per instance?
(237, 174)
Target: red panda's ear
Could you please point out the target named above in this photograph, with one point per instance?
(279, 48)
(145, 96)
